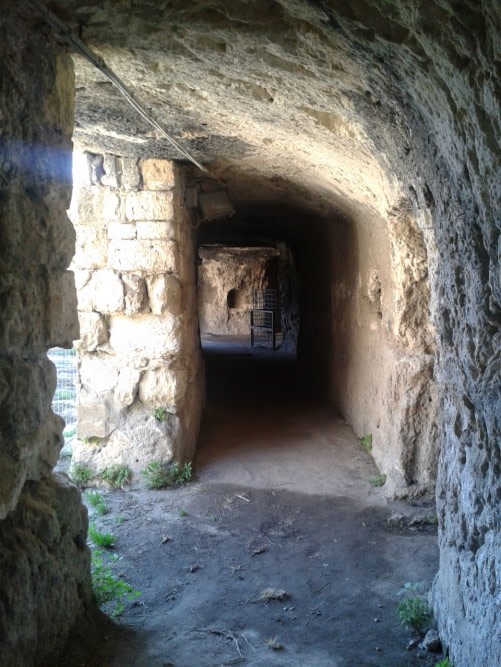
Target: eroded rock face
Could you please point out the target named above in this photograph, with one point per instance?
(44, 561)
(45, 565)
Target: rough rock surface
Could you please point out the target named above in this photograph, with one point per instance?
(227, 278)
(373, 121)
(45, 565)
(44, 562)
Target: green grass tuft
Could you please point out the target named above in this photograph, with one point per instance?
(81, 474)
(97, 501)
(105, 540)
(157, 475)
(378, 480)
(366, 443)
(110, 591)
(116, 475)
(159, 414)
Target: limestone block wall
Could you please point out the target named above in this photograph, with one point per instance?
(140, 370)
(44, 561)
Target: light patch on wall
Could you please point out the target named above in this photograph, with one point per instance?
(80, 168)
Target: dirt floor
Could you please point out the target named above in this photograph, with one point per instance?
(280, 506)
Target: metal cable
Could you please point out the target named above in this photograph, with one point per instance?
(99, 63)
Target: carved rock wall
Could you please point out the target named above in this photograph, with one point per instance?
(44, 561)
(141, 376)
(380, 358)
(227, 278)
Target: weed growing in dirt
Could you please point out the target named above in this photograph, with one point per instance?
(182, 513)
(110, 591)
(116, 475)
(378, 480)
(159, 414)
(158, 476)
(97, 501)
(182, 474)
(413, 610)
(81, 474)
(432, 520)
(443, 663)
(273, 644)
(105, 540)
(366, 443)
(119, 519)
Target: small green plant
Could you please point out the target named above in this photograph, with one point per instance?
(182, 474)
(81, 474)
(159, 414)
(156, 475)
(366, 443)
(91, 440)
(97, 501)
(443, 663)
(413, 610)
(432, 520)
(110, 591)
(105, 540)
(378, 480)
(119, 519)
(116, 475)
(182, 513)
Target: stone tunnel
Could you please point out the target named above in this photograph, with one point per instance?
(361, 136)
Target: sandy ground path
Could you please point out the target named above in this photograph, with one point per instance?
(281, 500)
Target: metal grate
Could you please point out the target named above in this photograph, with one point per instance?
(265, 299)
(65, 398)
(265, 318)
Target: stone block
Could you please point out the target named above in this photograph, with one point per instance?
(136, 298)
(145, 336)
(131, 176)
(98, 376)
(127, 386)
(134, 445)
(94, 205)
(93, 331)
(103, 293)
(117, 230)
(164, 292)
(61, 310)
(149, 256)
(112, 171)
(154, 230)
(163, 386)
(158, 174)
(149, 206)
(91, 248)
(91, 421)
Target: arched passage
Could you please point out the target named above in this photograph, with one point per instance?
(393, 107)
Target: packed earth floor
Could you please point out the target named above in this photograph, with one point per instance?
(279, 551)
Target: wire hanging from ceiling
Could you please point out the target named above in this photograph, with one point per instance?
(82, 48)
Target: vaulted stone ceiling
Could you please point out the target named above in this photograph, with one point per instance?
(313, 99)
